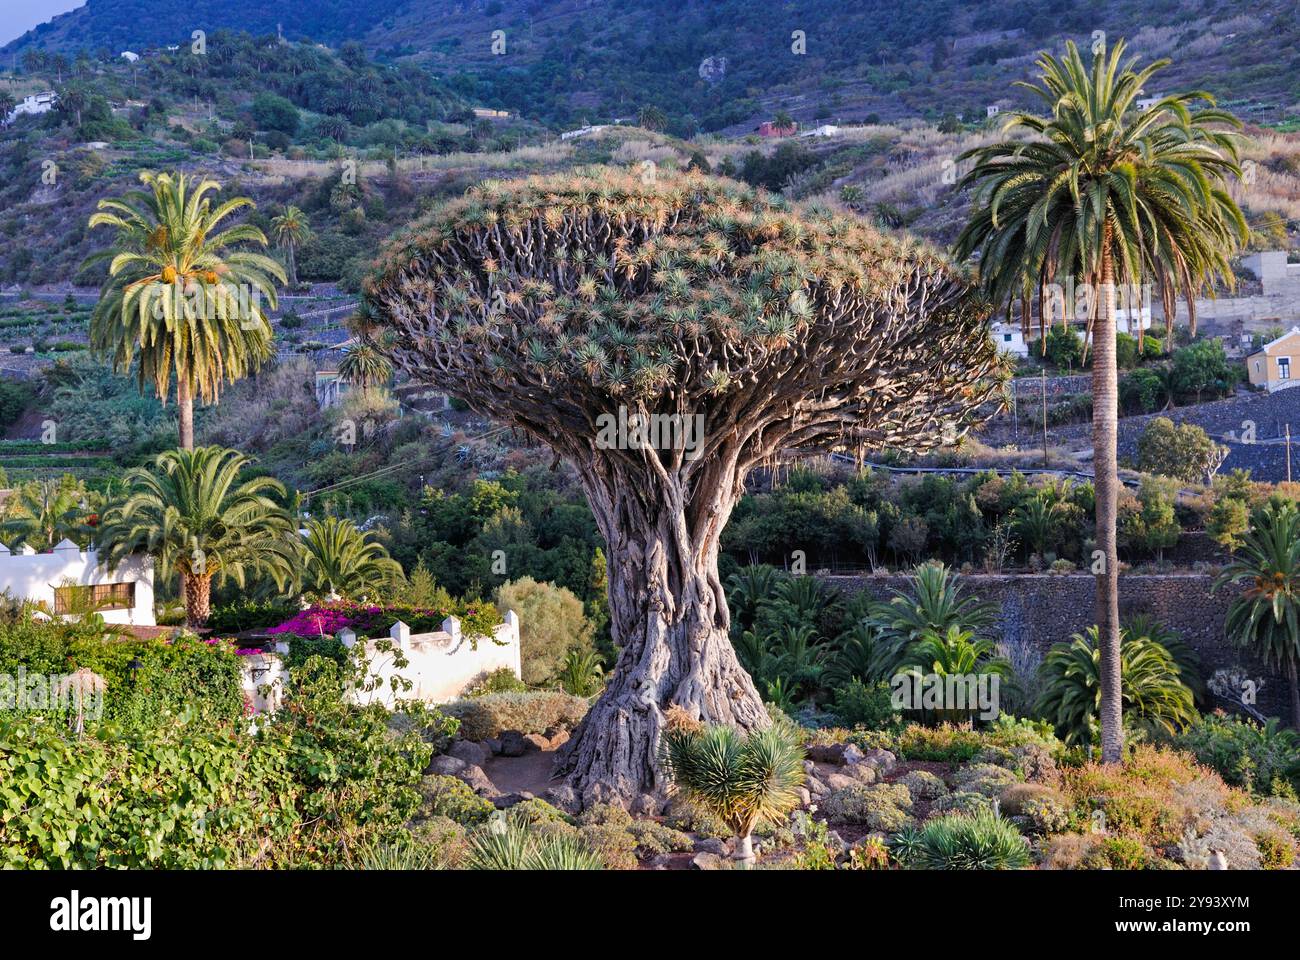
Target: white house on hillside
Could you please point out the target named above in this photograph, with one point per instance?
(1010, 339)
(67, 580)
(33, 103)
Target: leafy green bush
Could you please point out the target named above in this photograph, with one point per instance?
(1263, 759)
(452, 798)
(245, 614)
(552, 622)
(532, 712)
(869, 707)
(502, 680)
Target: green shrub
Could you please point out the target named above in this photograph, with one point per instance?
(1263, 759)
(964, 802)
(443, 796)
(533, 712)
(552, 622)
(869, 707)
(986, 779)
(883, 808)
(982, 841)
(923, 785)
(502, 680)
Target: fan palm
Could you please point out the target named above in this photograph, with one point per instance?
(45, 512)
(740, 779)
(191, 513)
(1155, 696)
(291, 229)
(337, 558)
(1265, 617)
(179, 297)
(1107, 194)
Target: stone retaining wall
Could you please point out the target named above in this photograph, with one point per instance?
(1043, 609)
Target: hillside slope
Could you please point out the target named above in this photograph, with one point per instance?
(719, 64)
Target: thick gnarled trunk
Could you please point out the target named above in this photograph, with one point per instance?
(669, 614)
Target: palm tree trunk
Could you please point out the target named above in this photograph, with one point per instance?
(185, 401)
(1294, 682)
(293, 266)
(198, 597)
(1105, 413)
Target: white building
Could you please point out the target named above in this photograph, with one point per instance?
(1009, 338)
(1146, 103)
(34, 103)
(67, 580)
(130, 56)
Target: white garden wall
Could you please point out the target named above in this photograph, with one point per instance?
(440, 665)
(33, 576)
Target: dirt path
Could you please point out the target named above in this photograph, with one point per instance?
(530, 773)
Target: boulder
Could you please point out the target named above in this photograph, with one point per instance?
(504, 801)
(558, 737)
(535, 743)
(862, 772)
(840, 781)
(513, 744)
(710, 845)
(827, 753)
(805, 798)
(882, 760)
(493, 745)
(446, 765)
(852, 754)
(816, 787)
(564, 797)
(478, 781)
(708, 861)
(474, 754)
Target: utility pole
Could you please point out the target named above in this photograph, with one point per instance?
(1288, 453)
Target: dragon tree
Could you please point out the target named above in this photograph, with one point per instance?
(562, 305)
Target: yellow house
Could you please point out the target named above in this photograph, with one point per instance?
(1274, 366)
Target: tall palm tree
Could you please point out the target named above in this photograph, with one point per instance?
(1107, 194)
(291, 229)
(340, 559)
(191, 513)
(45, 512)
(1265, 617)
(178, 295)
(364, 366)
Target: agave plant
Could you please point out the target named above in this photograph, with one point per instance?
(740, 779)
(1154, 694)
(1265, 617)
(980, 841)
(512, 846)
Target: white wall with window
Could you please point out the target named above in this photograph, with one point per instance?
(68, 581)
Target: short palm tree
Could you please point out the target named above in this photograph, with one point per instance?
(1038, 522)
(291, 230)
(740, 779)
(339, 559)
(1106, 194)
(1265, 617)
(932, 603)
(191, 513)
(45, 512)
(1155, 696)
(955, 653)
(364, 366)
(180, 298)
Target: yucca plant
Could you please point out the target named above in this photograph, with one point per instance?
(181, 299)
(512, 846)
(338, 559)
(742, 779)
(1265, 617)
(980, 841)
(403, 855)
(1154, 694)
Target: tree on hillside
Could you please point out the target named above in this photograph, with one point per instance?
(190, 512)
(291, 230)
(180, 297)
(1184, 452)
(44, 512)
(7, 104)
(728, 327)
(364, 366)
(1108, 195)
(652, 118)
